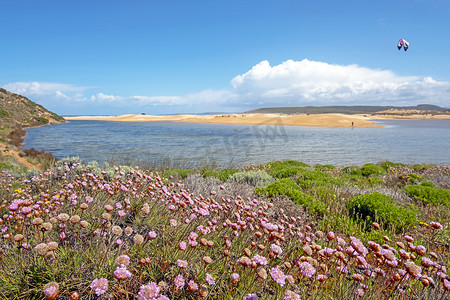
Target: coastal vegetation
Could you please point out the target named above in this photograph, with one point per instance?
(16, 113)
(279, 230)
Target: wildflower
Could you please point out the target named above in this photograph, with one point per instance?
(203, 291)
(250, 297)
(182, 246)
(290, 295)
(179, 281)
(234, 278)
(74, 219)
(358, 277)
(128, 231)
(121, 213)
(421, 250)
(322, 277)
(192, 286)
(426, 262)
(446, 284)
(209, 279)
(122, 260)
(100, 286)
(173, 222)
(436, 225)
(152, 235)
(116, 230)
(89, 199)
(18, 237)
(52, 246)
(182, 263)
(145, 209)
(41, 249)
(262, 273)
(307, 269)
(409, 238)
(260, 260)
(359, 292)
(108, 208)
(83, 224)
(63, 217)
(413, 269)
(138, 239)
(278, 276)
(51, 290)
(37, 222)
(121, 273)
(207, 260)
(149, 291)
(276, 249)
(331, 235)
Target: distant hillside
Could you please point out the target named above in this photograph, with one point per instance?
(18, 112)
(355, 109)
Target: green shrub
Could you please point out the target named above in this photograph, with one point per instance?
(309, 178)
(41, 120)
(222, 175)
(288, 187)
(428, 183)
(177, 173)
(387, 164)
(352, 170)
(324, 167)
(255, 178)
(429, 194)
(380, 208)
(372, 169)
(285, 169)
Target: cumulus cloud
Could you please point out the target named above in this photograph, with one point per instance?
(318, 83)
(291, 83)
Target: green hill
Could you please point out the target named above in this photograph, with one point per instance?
(18, 112)
(353, 109)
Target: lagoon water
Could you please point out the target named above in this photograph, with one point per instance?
(187, 145)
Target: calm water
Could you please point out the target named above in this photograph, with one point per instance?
(194, 144)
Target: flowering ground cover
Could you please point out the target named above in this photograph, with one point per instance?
(85, 232)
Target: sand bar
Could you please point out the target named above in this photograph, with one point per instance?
(316, 120)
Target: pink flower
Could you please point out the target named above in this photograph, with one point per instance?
(173, 222)
(100, 286)
(251, 297)
(182, 263)
(192, 285)
(152, 235)
(89, 199)
(278, 276)
(260, 260)
(276, 249)
(149, 291)
(121, 213)
(182, 246)
(234, 278)
(121, 273)
(290, 295)
(179, 281)
(209, 279)
(307, 269)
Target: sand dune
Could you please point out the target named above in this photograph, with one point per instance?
(316, 120)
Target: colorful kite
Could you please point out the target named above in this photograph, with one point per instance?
(402, 43)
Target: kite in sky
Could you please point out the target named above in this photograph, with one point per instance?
(402, 43)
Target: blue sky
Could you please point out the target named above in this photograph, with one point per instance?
(159, 57)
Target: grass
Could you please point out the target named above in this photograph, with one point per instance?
(287, 229)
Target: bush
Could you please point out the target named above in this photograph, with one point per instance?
(429, 194)
(380, 208)
(222, 175)
(288, 187)
(308, 179)
(177, 173)
(372, 169)
(285, 169)
(255, 178)
(324, 167)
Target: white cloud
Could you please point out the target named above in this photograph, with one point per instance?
(291, 83)
(318, 83)
(42, 88)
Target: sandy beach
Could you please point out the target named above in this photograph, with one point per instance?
(316, 120)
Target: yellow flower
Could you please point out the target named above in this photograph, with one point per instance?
(423, 223)
(18, 191)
